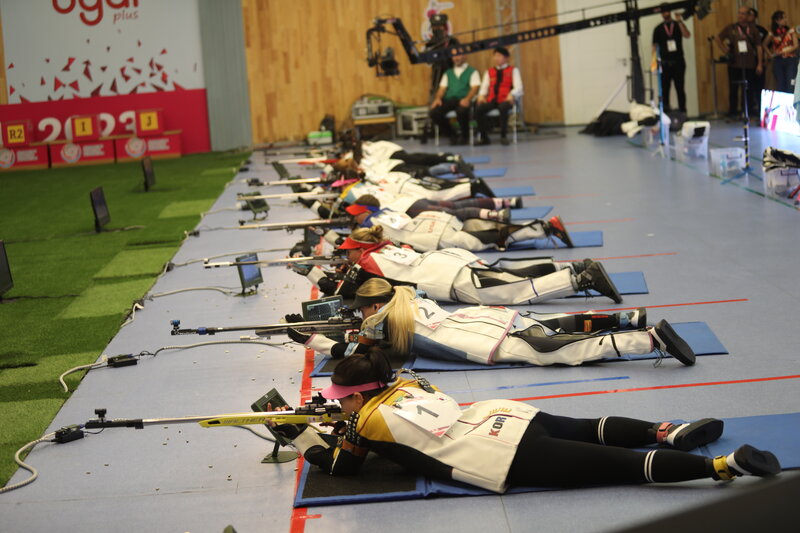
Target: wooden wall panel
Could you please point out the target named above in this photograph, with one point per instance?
(724, 14)
(541, 66)
(306, 58)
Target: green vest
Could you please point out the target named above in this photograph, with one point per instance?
(458, 86)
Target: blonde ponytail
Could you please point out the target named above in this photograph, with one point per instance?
(398, 312)
(373, 234)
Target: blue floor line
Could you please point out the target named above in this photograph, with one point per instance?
(541, 384)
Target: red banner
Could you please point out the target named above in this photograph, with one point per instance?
(182, 110)
(29, 157)
(81, 153)
(157, 147)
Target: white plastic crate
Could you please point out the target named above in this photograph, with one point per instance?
(692, 141)
(780, 182)
(691, 147)
(725, 162)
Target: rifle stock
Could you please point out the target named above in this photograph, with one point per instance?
(274, 226)
(315, 411)
(333, 324)
(289, 196)
(306, 260)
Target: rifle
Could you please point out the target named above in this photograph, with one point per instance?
(346, 321)
(308, 160)
(315, 411)
(272, 226)
(289, 195)
(255, 182)
(286, 261)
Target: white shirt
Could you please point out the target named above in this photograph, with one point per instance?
(516, 83)
(474, 80)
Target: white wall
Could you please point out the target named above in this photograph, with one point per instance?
(595, 61)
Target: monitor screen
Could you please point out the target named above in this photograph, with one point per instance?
(323, 308)
(249, 275)
(149, 174)
(6, 283)
(100, 208)
(274, 400)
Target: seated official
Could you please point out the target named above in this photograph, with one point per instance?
(458, 87)
(500, 86)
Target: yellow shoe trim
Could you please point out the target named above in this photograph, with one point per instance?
(721, 468)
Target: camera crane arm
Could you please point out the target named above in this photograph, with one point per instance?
(630, 15)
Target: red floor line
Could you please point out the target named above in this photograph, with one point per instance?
(657, 306)
(601, 221)
(658, 387)
(619, 257)
(300, 514)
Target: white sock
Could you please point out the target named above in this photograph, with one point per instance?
(733, 467)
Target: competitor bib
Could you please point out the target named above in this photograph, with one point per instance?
(429, 314)
(402, 256)
(394, 220)
(434, 413)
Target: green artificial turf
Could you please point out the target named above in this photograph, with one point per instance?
(188, 208)
(73, 287)
(136, 262)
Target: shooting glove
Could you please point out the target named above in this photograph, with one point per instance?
(292, 318)
(297, 336)
(301, 268)
(300, 249)
(350, 282)
(290, 431)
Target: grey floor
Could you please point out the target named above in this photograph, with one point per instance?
(696, 240)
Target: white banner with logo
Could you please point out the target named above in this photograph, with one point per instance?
(65, 49)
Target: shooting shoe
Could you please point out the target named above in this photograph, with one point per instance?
(595, 277)
(514, 203)
(686, 437)
(636, 319)
(478, 186)
(580, 266)
(502, 215)
(672, 343)
(465, 169)
(555, 227)
(746, 461)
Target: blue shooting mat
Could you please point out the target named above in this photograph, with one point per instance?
(626, 283)
(479, 173)
(530, 213)
(580, 239)
(779, 434)
(477, 159)
(508, 192)
(701, 339)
